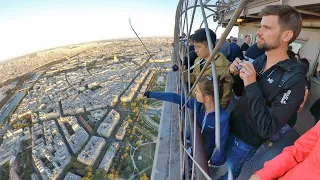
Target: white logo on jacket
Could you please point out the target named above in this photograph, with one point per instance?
(285, 97)
(270, 80)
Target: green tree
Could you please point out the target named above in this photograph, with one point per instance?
(100, 174)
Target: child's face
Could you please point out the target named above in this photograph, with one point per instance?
(201, 49)
(199, 95)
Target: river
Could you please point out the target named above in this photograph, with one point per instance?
(15, 100)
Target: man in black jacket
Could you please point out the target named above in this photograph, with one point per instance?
(265, 106)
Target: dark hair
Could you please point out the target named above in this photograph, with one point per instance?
(190, 38)
(201, 37)
(206, 85)
(246, 36)
(291, 54)
(289, 18)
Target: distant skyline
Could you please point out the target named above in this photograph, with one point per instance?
(34, 25)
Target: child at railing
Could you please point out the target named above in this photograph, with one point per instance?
(205, 115)
(202, 50)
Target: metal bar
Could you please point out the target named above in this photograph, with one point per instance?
(187, 46)
(193, 13)
(194, 135)
(207, 18)
(217, 28)
(184, 20)
(178, 47)
(151, 56)
(308, 12)
(182, 75)
(198, 165)
(176, 60)
(207, 7)
(215, 81)
(189, 85)
(185, 133)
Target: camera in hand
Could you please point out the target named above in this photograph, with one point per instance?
(239, 67)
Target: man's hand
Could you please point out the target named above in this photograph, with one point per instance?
(234, 67)
(175, 68)
(247, 73)
(254, 177)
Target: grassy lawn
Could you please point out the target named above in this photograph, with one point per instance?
(126, 169)
(146, 153)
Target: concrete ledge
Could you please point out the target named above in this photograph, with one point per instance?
(166, 164)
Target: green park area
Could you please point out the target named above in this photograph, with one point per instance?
(26, 161)
(5, 171)
(144, 156)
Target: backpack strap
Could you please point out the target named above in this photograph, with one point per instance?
(287, 74)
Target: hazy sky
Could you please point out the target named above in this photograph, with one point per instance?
(31, 25)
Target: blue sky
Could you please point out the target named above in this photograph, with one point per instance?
(32, 25)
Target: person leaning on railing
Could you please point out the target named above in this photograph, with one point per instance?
(205, 116)
(274, 87)
(222, 65)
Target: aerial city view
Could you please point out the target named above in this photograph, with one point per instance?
(78, 111)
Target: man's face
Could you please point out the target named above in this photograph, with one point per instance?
(202, 50)
(269, 36)
(248, 39)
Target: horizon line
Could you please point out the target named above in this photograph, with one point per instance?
(2, 61)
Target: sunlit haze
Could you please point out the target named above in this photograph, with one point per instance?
(30, 26)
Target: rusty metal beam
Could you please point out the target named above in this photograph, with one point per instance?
(252, 16)
(207, 7)
(308, 12)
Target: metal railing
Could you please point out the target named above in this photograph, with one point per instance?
(200, 168)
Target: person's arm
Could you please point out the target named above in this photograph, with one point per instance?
(226, 91)
(270, 119)
(306, 93)
(291, 156)
(193, 76)
(170, 97)
(237, 85)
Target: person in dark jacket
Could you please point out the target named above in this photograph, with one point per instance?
(253, 52)
(304, 63)
(192, 55)
(235, 51)
(205, 115)
(245, 45)
(260, 113)
(225, 48)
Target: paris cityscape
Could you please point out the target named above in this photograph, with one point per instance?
(78, 111)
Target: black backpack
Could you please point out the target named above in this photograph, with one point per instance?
(292, 70)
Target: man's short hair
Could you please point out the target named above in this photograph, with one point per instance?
(246, 36)
(289, 18)
(200, 36)
(234, 39)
